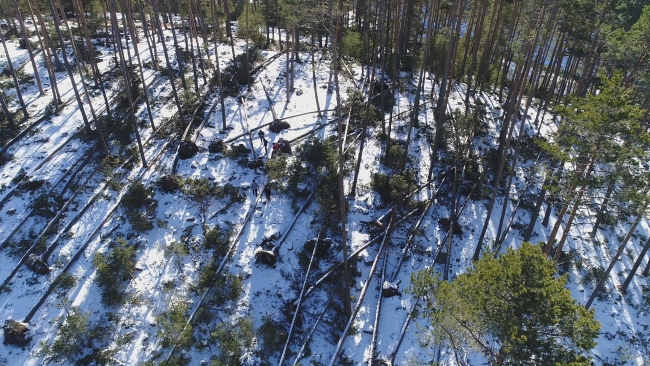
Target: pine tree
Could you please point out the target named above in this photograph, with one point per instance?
(514, 309)
(591, 134)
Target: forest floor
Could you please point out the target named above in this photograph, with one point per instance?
(55, 151)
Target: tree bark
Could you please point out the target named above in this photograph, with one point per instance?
(612, 263)
(181, 66)
(116, 32)
(97, 76)
(560, 218)
(342, 201)
(145, 91)
(56, 97)
(601, 209)
(69, 68)
(215, 21)
(366, 119)
(5, 109)
(636, 265)
(170, 70)
(23, 31)
(13, 75)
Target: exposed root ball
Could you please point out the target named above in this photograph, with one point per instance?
(187, 149)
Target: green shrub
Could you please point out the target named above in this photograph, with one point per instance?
(255, 23)
(352, 44)
(136, 196)
(315, 157)
(173, 328)
(113, 269)
(63, 283)
(356, 106)
(46, 205)
(236, 152)
(139, 206)
(203, 193)
(218, 240)
(394, 189)
(227, 287)
(234, 340)
(272, 335)
(593, 275)
(207, 276)
(75, 342)
(276, 169)
(29, 185)
(394, 154)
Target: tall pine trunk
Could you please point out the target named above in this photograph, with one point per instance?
(23, 32)
(215, 21)
(636, 265)
(170, 70)
(69, 68)
(614, 259)
(116, 32)
(10, 66)
(342, 201)
(134, 30)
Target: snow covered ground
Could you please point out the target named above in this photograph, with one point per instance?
(94, 219)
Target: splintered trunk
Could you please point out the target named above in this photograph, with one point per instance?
(68, 68)
(215, 21)
(116, 32)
